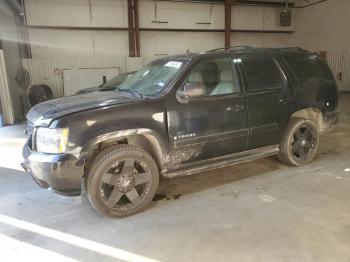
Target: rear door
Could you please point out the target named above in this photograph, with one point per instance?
(270, 98)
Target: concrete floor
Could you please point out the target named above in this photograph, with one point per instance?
(258, 211)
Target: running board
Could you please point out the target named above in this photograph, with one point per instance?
(220, 162)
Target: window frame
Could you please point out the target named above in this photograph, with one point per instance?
(234, 70)
(245, 76)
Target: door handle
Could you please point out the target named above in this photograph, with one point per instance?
(235, 108)
(285, 100)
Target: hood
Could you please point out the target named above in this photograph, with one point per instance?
(43, 113)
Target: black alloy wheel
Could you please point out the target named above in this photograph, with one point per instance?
(125, 184)
(122, 181)
(300, 143)
(303, 142)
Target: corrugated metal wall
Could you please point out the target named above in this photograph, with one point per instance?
(5, 96)
(339, 62)
(49, 70)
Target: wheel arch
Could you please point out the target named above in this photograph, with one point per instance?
(146, 139)
(313, 114)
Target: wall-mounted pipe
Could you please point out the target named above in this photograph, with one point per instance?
(241, 3)
(248, 3)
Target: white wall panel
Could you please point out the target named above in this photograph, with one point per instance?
(169, 43)
(260, 39)
(58, 13)
(257, 18)
(172, 13)
(107, 13)
(46, 43)
(104, 13)
(110, 43)
(181, 15)
(324, 26)
(272, 19)
(54, 43)
(246, 17)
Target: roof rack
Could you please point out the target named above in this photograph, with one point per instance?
(294, 48)
(231, 48)
(245, 47)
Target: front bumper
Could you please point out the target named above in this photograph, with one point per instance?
(60, 173)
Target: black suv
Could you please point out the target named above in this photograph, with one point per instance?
(181, 115)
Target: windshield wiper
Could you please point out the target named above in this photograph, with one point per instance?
(132, 91)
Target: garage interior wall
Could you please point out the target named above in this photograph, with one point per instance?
(9, 39)
(325, 27)
(54, 48)
(152, 14)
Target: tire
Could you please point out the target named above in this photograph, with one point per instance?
(300, 143)
(122, 181)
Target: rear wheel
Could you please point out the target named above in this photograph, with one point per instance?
(122, 181)
(300, 144)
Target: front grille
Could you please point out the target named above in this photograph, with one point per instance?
(30, 142)
(29, 129)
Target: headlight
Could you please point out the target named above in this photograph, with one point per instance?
(52, 141)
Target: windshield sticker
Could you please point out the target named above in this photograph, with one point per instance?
(174, 64)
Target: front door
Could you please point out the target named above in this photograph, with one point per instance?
(214, 124)
(270, 98)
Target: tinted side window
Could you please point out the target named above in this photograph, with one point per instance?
(308, 68)
(262, 73)
(217, 75)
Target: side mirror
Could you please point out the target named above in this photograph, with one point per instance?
(190, 91)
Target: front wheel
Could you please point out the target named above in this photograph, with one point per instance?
(300, 144)
(122, 181)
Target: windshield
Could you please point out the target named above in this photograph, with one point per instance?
(116, 81)
(153, 78)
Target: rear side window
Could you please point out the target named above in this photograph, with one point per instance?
(308, 68)
(262, 73)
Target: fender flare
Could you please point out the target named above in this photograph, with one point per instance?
(158, 147)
